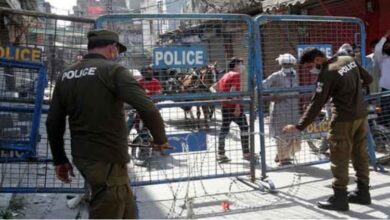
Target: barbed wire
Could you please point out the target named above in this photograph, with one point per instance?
(193, 167)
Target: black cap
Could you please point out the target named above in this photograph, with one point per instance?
(309, 54)
(234, 61)
(101, 34)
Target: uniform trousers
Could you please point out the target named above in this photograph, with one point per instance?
(111, 196)
(348, 141)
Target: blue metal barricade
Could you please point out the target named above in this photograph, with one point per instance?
(20, 120)
(49, 43)
(281, 104)
(189, 53)
(22, 86)
(186, 55)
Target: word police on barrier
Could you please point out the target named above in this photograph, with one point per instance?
(21, 53)
(317, 129)
(326, 48)
(166, 57)
(7, 154)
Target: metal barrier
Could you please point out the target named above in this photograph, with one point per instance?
(379, 132)
(282, 34)
(19, 122)
(188, 53)
(54, 41)
(200, 39)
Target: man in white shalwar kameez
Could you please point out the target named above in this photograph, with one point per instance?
(284, 109)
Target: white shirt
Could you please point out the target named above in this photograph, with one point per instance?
(286, 109)
(384, 64)
(281, 79)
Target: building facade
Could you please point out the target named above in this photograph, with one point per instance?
(96, 8)
(374, 13)
(250, 7)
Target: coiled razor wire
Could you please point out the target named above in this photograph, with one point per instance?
(249, 202)
(230, 196)
(236, 202)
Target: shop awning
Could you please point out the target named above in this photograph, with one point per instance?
(270, 4)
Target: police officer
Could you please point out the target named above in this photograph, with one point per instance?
(92, 93)
(341, 78)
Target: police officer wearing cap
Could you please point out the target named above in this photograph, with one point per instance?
(341, 79)
(92, 93)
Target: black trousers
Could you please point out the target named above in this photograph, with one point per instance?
(227, 118)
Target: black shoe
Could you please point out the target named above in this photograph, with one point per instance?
(221, 158)
(142, 163)
(338, 202)
(361, 195)
(143, 159)
(285, 162)
(248, 157)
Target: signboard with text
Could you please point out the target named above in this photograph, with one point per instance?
(176, 57)
(21, 53)
(187, 142)
(326, 48)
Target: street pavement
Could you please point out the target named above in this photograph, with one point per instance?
(297, 190)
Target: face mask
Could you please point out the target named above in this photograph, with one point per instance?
(287, 70)
(114, 58)
(242, 68)
(316, 70)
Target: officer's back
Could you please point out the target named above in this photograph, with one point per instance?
(95, 111)
(347, 79)
(92, 93)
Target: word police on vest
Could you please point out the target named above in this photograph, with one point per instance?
(179, 57)
(79, 73)
(347, 68)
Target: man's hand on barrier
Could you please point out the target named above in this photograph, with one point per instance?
(162, 147)
(289, 128)
(64, 171)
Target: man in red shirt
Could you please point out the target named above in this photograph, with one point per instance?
(232, 111)
(151, 85)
